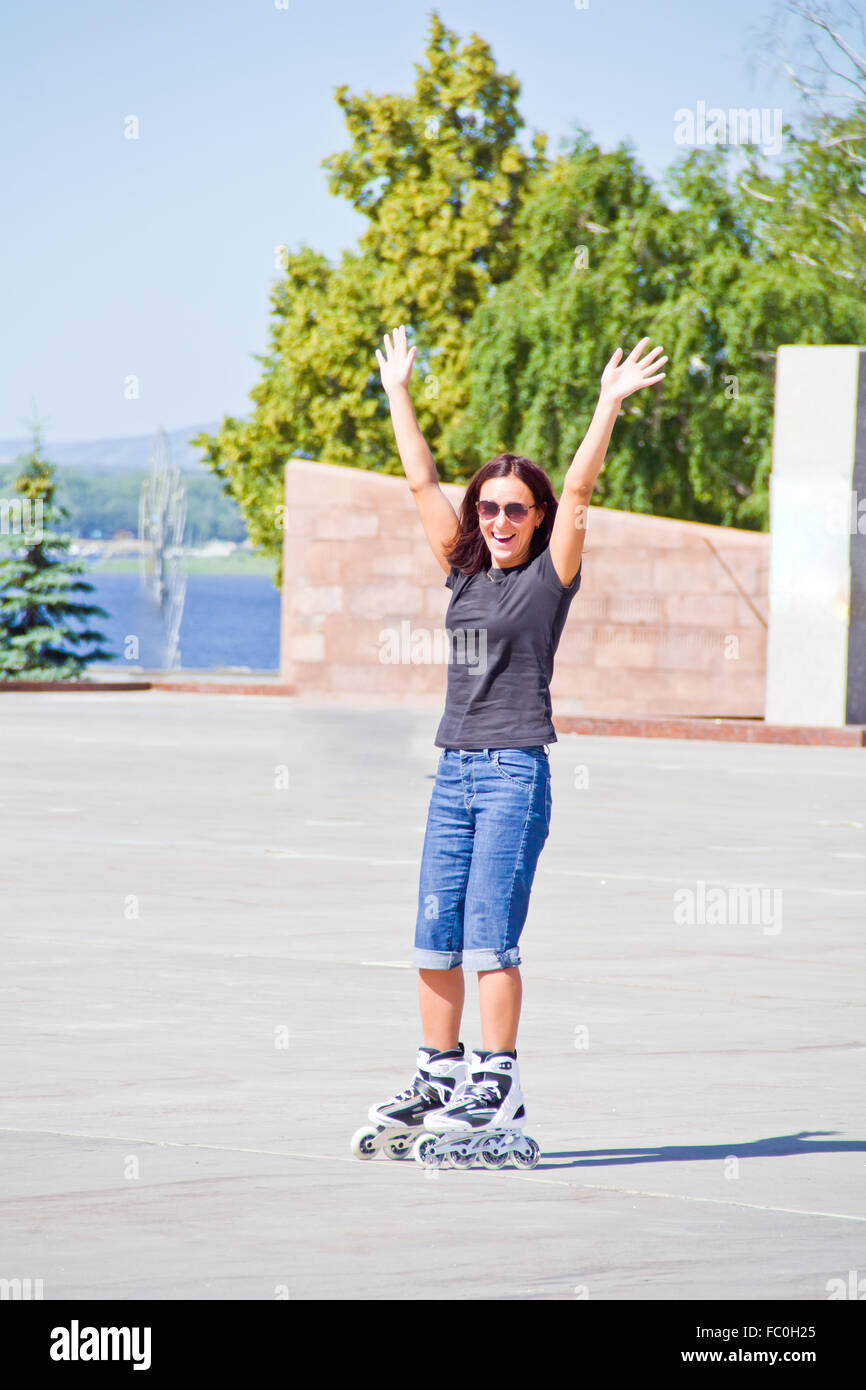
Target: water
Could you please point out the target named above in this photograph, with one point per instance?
(228, 620)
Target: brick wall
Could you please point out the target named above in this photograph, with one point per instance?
(669, 619)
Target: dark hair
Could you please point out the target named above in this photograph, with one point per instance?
(469, 553)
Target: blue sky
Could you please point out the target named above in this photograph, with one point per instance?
(154, 257)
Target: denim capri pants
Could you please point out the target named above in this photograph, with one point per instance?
(488, 819)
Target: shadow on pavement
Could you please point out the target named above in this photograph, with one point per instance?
(782, 1145)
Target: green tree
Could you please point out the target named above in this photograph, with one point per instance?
(518, 277)
(813, 206)
(37, 579)
(811, 212)
(440, 176)
(606, 260)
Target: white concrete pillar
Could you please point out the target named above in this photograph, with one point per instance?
(816, 649)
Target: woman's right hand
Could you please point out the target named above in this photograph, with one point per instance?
(396, 365)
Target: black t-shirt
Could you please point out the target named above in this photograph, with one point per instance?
(503, 627)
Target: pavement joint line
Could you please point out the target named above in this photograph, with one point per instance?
(543, 871)
(688, 1197)
(338, 858)
(339, 1158)
(217, 952)
(712, 880)
(170, 947)
(166, 1144)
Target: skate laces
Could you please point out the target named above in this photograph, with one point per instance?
(486, 1092)
(410, 1091)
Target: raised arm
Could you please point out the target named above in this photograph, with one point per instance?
(438, 517)
(618, 380)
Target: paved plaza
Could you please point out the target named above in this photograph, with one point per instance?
(208, 904)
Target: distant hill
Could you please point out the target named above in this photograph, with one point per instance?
(99, 483)
(126, 455)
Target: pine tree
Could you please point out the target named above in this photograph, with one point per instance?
(38, 579)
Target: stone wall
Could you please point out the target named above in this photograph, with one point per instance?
(670, 617)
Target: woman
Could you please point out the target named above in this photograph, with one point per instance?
(513, 563)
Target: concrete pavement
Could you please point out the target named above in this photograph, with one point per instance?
(207, 911)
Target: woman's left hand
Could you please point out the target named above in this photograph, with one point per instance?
(621, 379)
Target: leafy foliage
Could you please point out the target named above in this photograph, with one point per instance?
(440, 175)
(520, 275)
(605, 261)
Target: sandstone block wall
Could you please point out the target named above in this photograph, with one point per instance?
(670, 617)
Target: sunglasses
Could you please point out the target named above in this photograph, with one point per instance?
(515, 511)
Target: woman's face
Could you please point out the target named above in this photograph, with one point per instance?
(508, 540)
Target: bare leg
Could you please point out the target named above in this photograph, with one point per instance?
(500, 994)
(441, 994)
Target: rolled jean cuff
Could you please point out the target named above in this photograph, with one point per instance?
(491, 960)
(437, 960)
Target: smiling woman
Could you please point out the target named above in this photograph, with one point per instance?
(515, 620)
(489, 812)
(506, 516)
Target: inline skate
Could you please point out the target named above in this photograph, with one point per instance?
(439, 1078)
(485, 1121)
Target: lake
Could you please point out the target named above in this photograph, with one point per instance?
(228, 620)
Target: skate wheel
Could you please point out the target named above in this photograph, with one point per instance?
(492, 1153)
(526, 1157)
(363, 1144)
(400, 1147)
(462, 1157)
(424, 1151)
